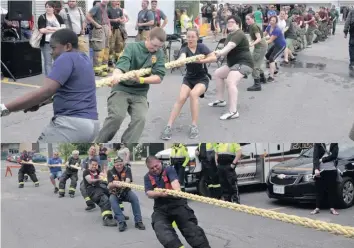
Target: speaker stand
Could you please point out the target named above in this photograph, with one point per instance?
(8, 71)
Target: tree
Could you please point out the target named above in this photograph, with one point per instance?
(83, 147)
(66, 149)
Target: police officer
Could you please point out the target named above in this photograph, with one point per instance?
(167, 208)
(119, 194)
(98, 192)
(226, 156)
(71, 173)
(26, 168)
(206, 155)
(179, 159)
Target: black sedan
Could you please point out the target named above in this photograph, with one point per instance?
(293, 179)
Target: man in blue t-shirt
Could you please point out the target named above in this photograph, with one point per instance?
(72, 89)
(55, 170)
(168, 207)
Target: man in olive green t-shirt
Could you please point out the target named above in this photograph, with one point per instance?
(131, 96)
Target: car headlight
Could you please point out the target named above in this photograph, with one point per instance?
(308, 178)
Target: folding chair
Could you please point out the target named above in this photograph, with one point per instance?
(176, 55)
(220, 46)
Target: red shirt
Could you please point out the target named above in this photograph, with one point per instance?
(323, 15)
(300, 20)
(309, 17)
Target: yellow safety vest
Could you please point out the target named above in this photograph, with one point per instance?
(228, 148)
(209, 146)
(179, 153)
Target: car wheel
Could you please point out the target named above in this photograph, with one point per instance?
(346, 192)
(203, 187)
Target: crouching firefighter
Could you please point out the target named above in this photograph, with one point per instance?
(226, 157)
(71, 171)
(179, 159)
(98, 192)
(27, 168)
(168, 209)
(118, 194)
(206, 155)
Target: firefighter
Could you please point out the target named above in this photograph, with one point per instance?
(27, 168)
(70, 173)
(206, 155)
(226, 158)
(167, 208)
(179, 159)
(101, 32)
(118, 194)
(84, 165)
(98, 192)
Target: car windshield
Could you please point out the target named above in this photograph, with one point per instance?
(345, 151)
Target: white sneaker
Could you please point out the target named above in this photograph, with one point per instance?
(230, 115)
(217, 103)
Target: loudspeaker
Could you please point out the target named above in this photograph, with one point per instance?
(21, 59)
(19, 10)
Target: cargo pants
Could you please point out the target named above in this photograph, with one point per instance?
(258, 59)
(118, 104)
(142, 35)
(100, 45)
(116, 44)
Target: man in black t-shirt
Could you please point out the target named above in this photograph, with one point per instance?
(70, 172)
(118, 194)
(103, 157)
(98, 192)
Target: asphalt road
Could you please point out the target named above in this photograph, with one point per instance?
(311, 100)
(36, 218)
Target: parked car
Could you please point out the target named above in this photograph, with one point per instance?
(39, 158)
(293, 179)
(14, 158)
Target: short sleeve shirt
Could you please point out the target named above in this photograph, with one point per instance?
(114, 175)
(241, 53)
(253, 30)
(100, 14)
(158, 16)
(194, 70)
(55, 161)
(114, 14)
(280, 40)
(171, 174)
(89, 186)
(291, 32)
(76, 96)
(145, 16)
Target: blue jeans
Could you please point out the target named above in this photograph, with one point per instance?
(134, 201)
(47, 58)
(56, 175)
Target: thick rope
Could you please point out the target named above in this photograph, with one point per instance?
(146, 71)
(336, 229)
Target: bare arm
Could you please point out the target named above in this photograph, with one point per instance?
(208, 59)
(165, 21)
(91, 180)
(89, 18)
(230, 45)
(258, 39)
(272, 38)
(238, 156)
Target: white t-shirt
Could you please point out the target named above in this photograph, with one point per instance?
(51, 23)
(281, 24)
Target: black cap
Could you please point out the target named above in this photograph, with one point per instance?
(118, 160)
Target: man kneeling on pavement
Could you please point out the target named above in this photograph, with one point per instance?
(98, 192)
(121, 173)
(168, 208)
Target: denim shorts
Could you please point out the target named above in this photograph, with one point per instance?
(56, 175)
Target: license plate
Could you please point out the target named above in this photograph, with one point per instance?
(278, 189)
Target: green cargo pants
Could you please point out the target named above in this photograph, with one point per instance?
(323, 29)
(118, 104)
(310, 34)
(258, 59)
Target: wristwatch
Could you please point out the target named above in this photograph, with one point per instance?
(4, 110)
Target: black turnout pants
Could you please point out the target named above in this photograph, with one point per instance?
(186, 221)
(100, 196)
(210, 172)
(85, 195)
(62, 181)
(29, 170)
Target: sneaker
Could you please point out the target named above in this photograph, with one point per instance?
(292, 59)
(230, 115)
(167, 133)
(194, 132)
(122, 226)
(88, 208)
(276, 72)
(56, 190)
(109, 222)
(140, 226)
(270, 79)
(217, 103)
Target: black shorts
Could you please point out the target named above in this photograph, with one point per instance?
(274, 52)
(191, 82)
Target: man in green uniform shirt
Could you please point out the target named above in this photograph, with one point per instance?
(131, 96)
(334, 14)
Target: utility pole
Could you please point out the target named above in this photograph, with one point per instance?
(50, 150)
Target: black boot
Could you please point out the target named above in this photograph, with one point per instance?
(256, 86)
(263, 79)
(90, 207)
